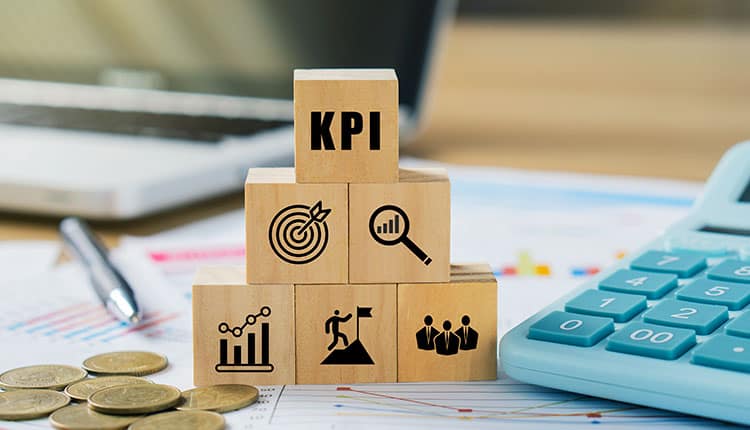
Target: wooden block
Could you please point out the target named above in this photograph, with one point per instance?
(346, 125)
(242, 334)
(346, 333)
(295, 232)
(448, 331)
(413, 218)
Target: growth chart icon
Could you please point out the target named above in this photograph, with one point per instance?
(247, 362)
(298, 234)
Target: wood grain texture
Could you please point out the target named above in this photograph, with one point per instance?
(354, 90)
(317, 303)
(220, 295)
(269, 192)
(424, 195)
(471, 292)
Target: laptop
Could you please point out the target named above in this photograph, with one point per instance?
(114, 110)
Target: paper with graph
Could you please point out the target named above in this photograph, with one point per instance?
(542, 233)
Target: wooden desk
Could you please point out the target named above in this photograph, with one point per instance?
(607, 98)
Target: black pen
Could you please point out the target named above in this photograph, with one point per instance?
(108, 282)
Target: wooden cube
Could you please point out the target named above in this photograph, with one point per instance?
(346, 125)
(400, 232)
(242, 334)
(295, 232)
(448, 331)
(346, 333)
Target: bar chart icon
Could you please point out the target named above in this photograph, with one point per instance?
(391, 226)
(249, 348)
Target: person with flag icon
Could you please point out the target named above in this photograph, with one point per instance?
(355, 352)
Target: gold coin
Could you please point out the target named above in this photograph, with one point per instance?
(30, 404)
(136, 363)
(81, 417)
(180, 420)
(81, 390)
(45, 376)
(219, 398)
(134, 399)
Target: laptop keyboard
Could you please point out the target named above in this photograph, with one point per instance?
(208, 129)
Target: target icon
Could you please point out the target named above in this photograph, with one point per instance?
(298, 234)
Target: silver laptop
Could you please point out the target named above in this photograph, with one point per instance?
(113, 109)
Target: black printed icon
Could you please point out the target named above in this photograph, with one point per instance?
(298, 234)
(426, 335)
(249, 362)
(386, 228)
(351, 353)
(469, 337)
(447, 342)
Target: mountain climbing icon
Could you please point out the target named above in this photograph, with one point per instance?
(352, 353)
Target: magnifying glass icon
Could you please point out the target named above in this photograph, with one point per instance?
(394, 229)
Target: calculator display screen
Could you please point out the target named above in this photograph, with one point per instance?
(745, 196)
(725, 230)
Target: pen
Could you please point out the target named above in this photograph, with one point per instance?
(108, 282)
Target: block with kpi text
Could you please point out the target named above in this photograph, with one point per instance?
(346, 125)
(295, 232)
(242, 334)
(400, 232)
(448, 331)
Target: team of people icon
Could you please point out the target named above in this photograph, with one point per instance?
(447, 342)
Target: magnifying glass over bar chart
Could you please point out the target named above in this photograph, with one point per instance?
(386, 228)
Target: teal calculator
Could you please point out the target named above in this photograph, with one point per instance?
(668, 326)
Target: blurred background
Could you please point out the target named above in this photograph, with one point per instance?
(655, 88)
(645, 87)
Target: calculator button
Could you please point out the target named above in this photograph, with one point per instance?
(620, 307)
(696, 316)
(666, 343)
(726, 352)
(730, 294)
(651, 285)
(739, 326)
(732, 271)
(683, 264)
(571, 329)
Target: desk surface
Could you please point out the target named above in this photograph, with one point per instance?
(615, 98)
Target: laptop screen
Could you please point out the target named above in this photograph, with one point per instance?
(232, 47)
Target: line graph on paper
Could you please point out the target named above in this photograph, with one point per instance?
(83, 321)
(449, 405)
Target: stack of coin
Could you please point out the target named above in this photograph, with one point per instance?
(117, 397)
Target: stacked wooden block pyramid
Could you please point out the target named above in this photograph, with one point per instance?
(348, 276)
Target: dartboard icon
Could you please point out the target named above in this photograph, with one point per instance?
(298, 234)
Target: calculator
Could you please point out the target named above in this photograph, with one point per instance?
(666, 327)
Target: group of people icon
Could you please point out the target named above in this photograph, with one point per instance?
(447, 342)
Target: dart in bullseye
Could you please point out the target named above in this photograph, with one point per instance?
(317, 214)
